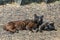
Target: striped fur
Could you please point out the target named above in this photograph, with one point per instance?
(24, 25)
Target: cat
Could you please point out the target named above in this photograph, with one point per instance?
(38, 20)
(49, 26)
(24, 24)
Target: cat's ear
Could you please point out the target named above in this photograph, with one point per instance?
(51, 23)
(35, 15)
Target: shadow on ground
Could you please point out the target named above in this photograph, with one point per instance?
(25, 2)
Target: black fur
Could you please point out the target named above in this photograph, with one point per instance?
(38, 20)
(47, 26)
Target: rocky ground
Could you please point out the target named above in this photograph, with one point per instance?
(12, 12)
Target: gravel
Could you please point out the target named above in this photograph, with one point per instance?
(10, 12)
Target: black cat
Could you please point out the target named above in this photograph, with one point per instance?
(49, 26)
(38, 20)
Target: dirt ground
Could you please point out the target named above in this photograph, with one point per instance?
(12, 12)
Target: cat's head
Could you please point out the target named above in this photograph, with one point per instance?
(38, 19)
